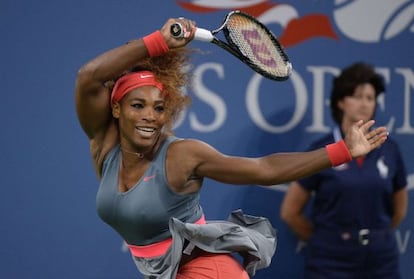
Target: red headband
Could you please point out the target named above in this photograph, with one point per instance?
(131, 81)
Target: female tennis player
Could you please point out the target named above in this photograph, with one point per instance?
(127, 100)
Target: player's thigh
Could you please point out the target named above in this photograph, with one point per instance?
(212, 266)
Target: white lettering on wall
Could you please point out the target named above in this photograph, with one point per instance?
(408, 76)
(208, 97)
(253, 107)
(385, 72)
(319, 101)
(315, 95)
(402, 243)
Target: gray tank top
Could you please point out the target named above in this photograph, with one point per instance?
(141, 215)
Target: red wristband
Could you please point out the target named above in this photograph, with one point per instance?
(338, 153)
(155, 44)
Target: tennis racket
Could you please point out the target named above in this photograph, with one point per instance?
(250, 41)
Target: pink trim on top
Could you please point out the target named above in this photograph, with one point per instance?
(156, 249)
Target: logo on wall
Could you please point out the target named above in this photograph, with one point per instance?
(387, 19)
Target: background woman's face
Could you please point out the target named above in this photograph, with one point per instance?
(361, 105)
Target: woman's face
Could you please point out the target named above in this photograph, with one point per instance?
(141, 117)
(360, 106)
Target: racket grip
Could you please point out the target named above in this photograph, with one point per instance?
(203, 35)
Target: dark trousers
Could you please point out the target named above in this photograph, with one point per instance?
(352, 255)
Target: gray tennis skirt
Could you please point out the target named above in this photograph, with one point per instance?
(252, 237)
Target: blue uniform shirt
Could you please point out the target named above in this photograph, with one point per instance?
(351, 196)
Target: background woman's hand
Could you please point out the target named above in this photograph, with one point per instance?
(360, 140)
(189, 27)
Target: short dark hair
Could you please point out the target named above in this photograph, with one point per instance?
(348, 80)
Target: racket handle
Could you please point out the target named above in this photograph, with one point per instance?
(204, 35)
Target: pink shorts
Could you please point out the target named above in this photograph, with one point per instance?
(212, 266)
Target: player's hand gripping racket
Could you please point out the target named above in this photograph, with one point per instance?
(250, 41)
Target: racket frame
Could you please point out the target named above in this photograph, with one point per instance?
(244, 58)
(205, 35)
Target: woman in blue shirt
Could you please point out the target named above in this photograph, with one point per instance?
(356, 205)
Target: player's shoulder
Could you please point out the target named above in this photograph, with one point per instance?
(189, 145)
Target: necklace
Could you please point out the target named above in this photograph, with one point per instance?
(139, 155)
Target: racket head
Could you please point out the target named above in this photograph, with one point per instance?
(257, 46)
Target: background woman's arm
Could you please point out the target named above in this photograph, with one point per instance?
(291, 211)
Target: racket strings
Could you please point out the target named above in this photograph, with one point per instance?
(257, 45)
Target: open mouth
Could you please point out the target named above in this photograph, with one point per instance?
(146, 131)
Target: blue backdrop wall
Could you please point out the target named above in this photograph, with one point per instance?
(49, 226)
